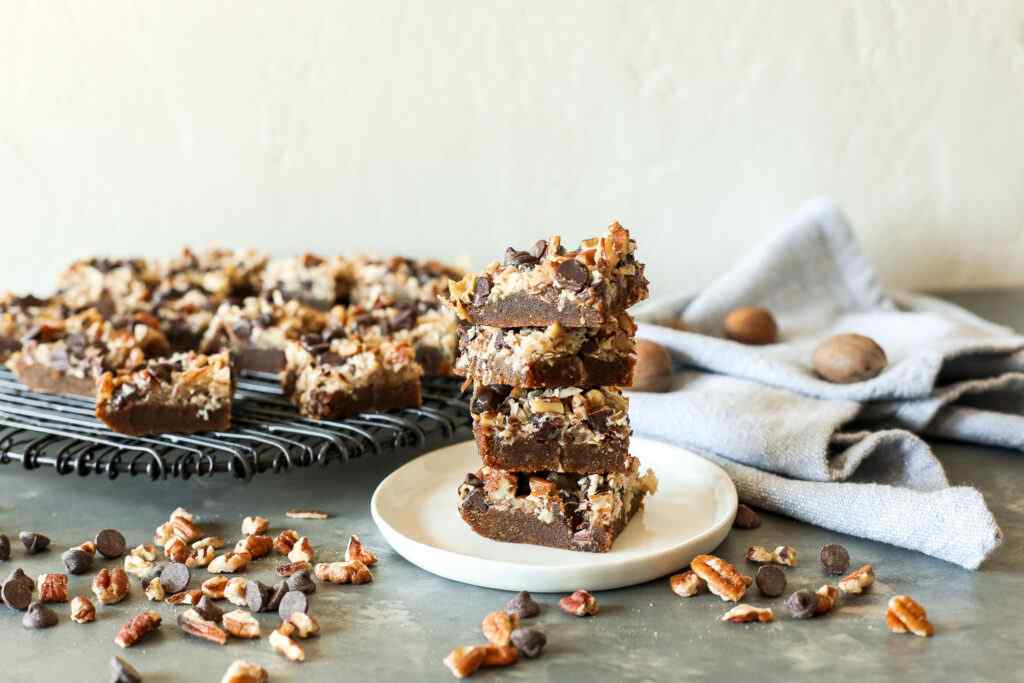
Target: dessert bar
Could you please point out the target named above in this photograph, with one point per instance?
(110, 285)
(334, 376)
(575, 512)
(69, 357)
(257, 330)
(223, 274)
(568, 429)
(587, 287)
(20, 315)
(399, 281)
(311, 279)
(552, 356)
(184, 316)
(433, 332)
(185, 393)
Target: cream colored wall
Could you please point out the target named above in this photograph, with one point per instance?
(456, 128)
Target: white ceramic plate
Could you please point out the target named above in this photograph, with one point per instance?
(415, 509)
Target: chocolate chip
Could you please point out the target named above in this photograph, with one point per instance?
(514, 257)
(257, 595)
(208, 609)
(292, 602)
(771, 581)
(529, 641)
(77, 560)
(598, 420)
(175, 577)
(473, 481)
(110, 543)
(539, 247)
(746, 518)
(277, 594)
(572, 275)
(19, 575)
(149, 574)
(404, 320)
(523, 605)
(802, 604)
(5, 548)
(302, 582)
(34, 542)
(546, 430)
(489, 398)
(39, 616)
(123, 672)
(17, 594)
(482, 290)
(834, 559)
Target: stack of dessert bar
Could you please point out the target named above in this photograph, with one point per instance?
(546, 345)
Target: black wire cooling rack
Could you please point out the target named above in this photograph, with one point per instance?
(267, 434)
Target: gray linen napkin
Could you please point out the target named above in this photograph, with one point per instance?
(844, 457)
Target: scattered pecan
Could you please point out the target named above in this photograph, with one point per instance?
(214, 588)
(464, 661)
(137, 628)
(783, 554)
(356, 551)
(235, 591)
(580, 604)
(283, 645)
(229, 563)
(176, 550)
(285, 541)
(110, 585)
(354, 572)
(88, 547)
(82, 610)
(858, 581)
(215, 542)
(305, 625)
(302, 551)
(290, 568)
(241, 624)
(201, 557)
(499, 655)
(301, 513)
(741, 614)
(190, 597)
(256, 545)
(497, 627)
(136, 566)
(244, 672)
(687, 584)
(53, 587)
(163, 533)
(827, 598)
(906, 614)
(255, 525)
(155, 590)
(183, 526)
(192, 623)
(721, 577)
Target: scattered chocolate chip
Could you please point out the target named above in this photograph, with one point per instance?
(277, 594)
(175, 577)
(834, 559)
(110, 543)
(39, 616)
(302, 582)
(523, 605)
(771, 581)
(572, 275)
(123, 672)
(529, 641)
(34, 542)
(77, 561)
(17, 594)
(208, 609)
(5, 548)
(292, 602)
(19, 575)
(257, 596)
(746, 518)
(802, 604)
(482, 290)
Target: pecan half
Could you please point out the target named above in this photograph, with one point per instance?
(580, 604)
(687, 584)
(741, 614)
(137, 628)
(354, 572)
(53, 587)
(283, 645)
(906, 614)
(858, 581)
(356, 551)
(194, 625)
(241, 624)
(82, 610)
(721, 577)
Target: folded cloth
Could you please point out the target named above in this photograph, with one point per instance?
(841, 456)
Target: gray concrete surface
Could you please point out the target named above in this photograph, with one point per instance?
(402, 625)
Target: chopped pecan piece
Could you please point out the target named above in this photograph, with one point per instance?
(137, 628)
(302, 551)
(53, 587)
(687, 584)
(252, 526)
(82, 610)
(285, 541)
(229, 563)
(214, 588)
(464, 661)
(741, 614)
(215, 542)
(290, 568)
(192, 623)
(356, 551)
(257, 546)
(499, 655)
(155, 590)
(235, 591)
(241, 624)
(244, 672)
(305, 625)
(906, 614)
(580, 604)
(110, 585)
(858, 581)
(283, 645)
(497, 627)
(721, 577)
(176, 550)
(201, 557)
(783, 554)
(827, 598)
(354, 572)
(191, 597)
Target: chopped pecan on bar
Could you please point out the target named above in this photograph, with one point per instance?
(137, 628)
(581, 288)
(577, 512)
(113, 285)
(906, 614)
(552, 356)
(313, 280)
(187, 392)
(222, 274)
(741, 614)
(721, 577)
(400, 281)
(858, 581)
(20, 316)
(258, 330)
(344, 376)
(567, 429)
